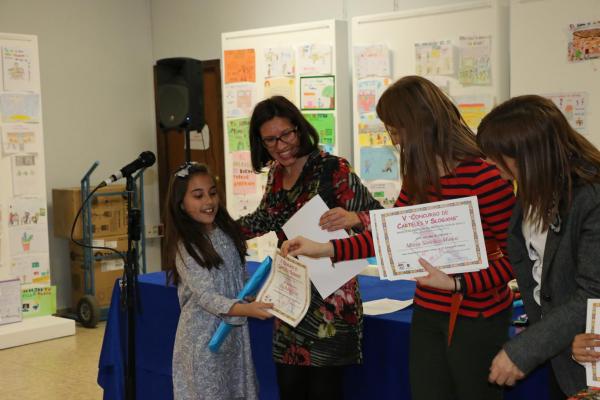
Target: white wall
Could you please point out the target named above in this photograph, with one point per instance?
(97, 97)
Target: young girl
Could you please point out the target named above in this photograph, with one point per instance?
(440, 161)
(205, 259)
(554, 235)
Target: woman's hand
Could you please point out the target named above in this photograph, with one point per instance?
(583, 347)
(338, 218)
(301, 246)
(503, 371)
(436, 278)
(256, 309)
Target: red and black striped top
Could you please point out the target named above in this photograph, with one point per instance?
(486, 291)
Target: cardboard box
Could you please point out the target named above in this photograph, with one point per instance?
(109, 212)
(118, 243)
(106, 272)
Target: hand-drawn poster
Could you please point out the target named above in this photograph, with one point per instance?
(240, 65)
(474, 66)
(324, 123)
(17, 64)
(584, 41)
(285, 87)
(372, 132)
(314, 59)
(17, 107)
(473, 108)
(20, 138)
(239, 100)
(372, 61)
(33, 268)
(244, 178)
(239, 134)
(27, 175)
(317, 93)
(38, 301)
(279, 61)
(368, 93)
(573, 106)
(385, 192)
(379, 163)
(27, 226)
(434, 58)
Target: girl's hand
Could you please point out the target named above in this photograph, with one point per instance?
(338, 218)
(255, 309)
(436, 278)
(301, 246)
(583, 347)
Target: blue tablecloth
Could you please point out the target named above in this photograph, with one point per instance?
(383, 375)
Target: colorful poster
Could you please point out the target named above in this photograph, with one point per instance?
(244, 178)
(238, 131)
(379, 163)
(368, 93)
(584, 41)
(239, 100)
(314, 59)
(27, 175)
(279, 61)
(33, 268)
(474, 66)
(17, 64)
(573, 106)
(325, 125)
(372, 132)
(372, 61)
(240, 65)
(434, 58)
(20, 138)
(285, 87)
(38, 301)
(16, 107)
(317, 93)
(473, 108)
(385, 192)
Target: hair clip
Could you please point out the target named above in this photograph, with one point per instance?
(184, 170)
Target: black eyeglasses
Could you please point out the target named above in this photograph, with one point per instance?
(287, 136)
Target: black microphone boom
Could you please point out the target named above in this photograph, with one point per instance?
(145, 160)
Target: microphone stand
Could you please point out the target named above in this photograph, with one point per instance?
(129, 287)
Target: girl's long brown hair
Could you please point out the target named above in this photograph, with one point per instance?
(551, 157)
(181, 228)
(432, 129)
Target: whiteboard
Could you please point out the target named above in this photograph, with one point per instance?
(539, 38)
(400, 31)
(330, 34)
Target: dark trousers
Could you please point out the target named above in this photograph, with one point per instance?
(458, 372)
(555, 391)
(309, 383)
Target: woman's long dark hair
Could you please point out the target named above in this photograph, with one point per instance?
(266, 110)
(433, 129)
(181, 228)
(551, 157)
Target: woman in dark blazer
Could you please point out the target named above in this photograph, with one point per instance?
(554, 234)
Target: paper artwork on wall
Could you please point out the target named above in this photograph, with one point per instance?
(385, 192)
(368, 93)
(573, 106)
(474, 107)
(584, 41)
(31, 269)
(317, 92)
(240, 65)
(18, 107)
(378, 163)
(239, 100)
(244, 178)
(475, 67)
(10, 301)
(238, 134)
(20, 138)
(279, 61)
(434, 58)
(242, 205)
(38, 301)
(314, 59)
(27, 175)
(17, 65)
(285, 87)
(324, 123)
(372, 61)
(372, 132)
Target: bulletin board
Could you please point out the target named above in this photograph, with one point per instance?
(308, 64)
(24, 252)
(555, 52)
(462, 48)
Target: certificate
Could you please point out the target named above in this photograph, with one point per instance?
(288, 288)
(447, 234)
(592, 369)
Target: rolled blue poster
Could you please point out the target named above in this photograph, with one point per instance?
(250, 289)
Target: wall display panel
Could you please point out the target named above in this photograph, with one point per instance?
(462, 48)
(306, 63)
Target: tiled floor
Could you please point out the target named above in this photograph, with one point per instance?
(59, 369)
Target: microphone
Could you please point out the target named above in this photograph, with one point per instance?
(145, 160)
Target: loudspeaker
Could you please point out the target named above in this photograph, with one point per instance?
(180, 93)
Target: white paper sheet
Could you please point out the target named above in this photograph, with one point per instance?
(592, 369)
(385, 306)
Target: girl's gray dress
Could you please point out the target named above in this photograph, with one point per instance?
(204, 296)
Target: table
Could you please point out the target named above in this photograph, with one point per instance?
(383, 374)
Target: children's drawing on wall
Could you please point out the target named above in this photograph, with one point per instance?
(38, 301)
(240, 65)
(244, 178)
(573, 105)
(474, 107)
(368, 93)
(17, 107)
(371, 131)
(285, 87)
(27, 175)
(385, 192)
(17, 65)
(237, 132)
(31, 269)
(324, 123)
(378, 163)
(317, 93)
(474, 65)
(372, 61)
(314, 59)
(27, 226)
(239, 100)
(19, 138)
(434, 58)
(279, 61)
(584, 41)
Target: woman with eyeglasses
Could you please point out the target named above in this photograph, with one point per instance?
(309, 357)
